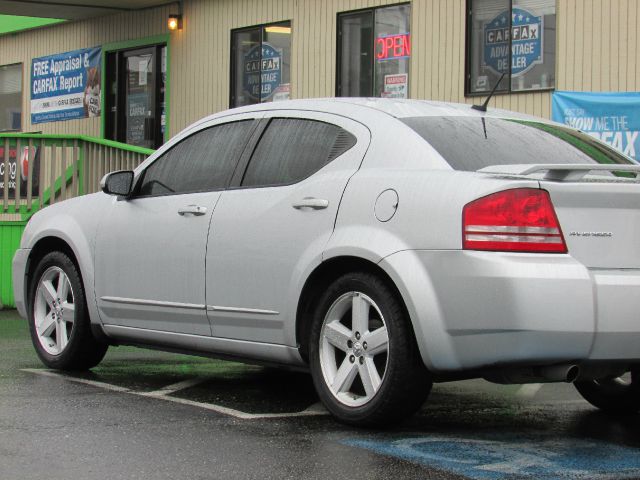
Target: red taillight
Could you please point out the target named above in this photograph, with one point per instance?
(518, 220)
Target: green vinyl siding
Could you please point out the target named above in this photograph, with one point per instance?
(10, 234)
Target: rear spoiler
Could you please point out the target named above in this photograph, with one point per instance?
(560, 172)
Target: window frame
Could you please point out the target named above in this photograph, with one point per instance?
(372, 11)
(251, 147)
(232, 56)
(467, 58)
(243, 150)
(22, 93)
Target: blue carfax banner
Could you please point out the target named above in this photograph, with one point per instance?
(611, 117)
(66, 86)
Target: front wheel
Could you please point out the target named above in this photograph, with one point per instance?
(364, 359)
(619, 395)
(58, 317)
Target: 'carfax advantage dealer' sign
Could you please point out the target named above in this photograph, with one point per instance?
(526, 40)
(66, 86)
(262, 71)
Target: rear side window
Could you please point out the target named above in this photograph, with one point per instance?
(292, 149)
(204, 161)
(472, 143)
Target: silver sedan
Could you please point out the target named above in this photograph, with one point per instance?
(383, 245)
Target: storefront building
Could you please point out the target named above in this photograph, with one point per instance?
(120, 73)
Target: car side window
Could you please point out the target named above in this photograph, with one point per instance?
(201, 162)
(292, 149)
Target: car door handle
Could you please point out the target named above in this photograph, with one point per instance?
(195, 210)
(311, 203)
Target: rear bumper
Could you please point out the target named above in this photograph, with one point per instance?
(617, 300)
(474, 310)
(19, 269)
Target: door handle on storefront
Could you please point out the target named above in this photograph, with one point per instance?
(311, 203)
(195, 210)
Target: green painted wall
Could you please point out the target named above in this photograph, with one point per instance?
(10, 234)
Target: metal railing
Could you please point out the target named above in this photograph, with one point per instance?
(38, 169)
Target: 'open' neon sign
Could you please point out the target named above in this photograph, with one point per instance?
(393, 47)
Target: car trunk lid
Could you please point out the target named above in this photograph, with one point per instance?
(599, 214)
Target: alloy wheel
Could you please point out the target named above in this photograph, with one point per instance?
(54, 310)
(354, 349)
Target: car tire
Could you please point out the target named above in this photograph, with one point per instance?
(58, 316)
(364, 359)
(613, 395)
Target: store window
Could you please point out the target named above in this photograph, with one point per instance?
(514, 37)
(374, 49)
(135, 95)
(260, 64)
(10, 97)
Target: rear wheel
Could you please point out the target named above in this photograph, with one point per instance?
(364, 359)
(58, 317)
(620, 395)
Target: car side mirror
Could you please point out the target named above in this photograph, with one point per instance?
(117, 183)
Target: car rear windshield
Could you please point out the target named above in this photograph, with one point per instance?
(472, 143)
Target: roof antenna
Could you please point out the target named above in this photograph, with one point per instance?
(483, 107)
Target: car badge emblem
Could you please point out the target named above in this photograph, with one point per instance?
(591, 234)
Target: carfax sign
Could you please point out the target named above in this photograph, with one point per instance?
(526, 39)
(611, 117)
(262, 71)
(66, 86)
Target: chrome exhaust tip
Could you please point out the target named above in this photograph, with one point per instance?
(567, 373)
(560, 373)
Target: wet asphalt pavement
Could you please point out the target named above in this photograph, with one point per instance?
(149, 415)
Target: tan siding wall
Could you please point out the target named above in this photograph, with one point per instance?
(597, 49)
(599, 45)
(201, 52)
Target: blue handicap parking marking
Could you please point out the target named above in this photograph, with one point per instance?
(498, 457)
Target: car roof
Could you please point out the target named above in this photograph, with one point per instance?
(404, 108)
(398, 108)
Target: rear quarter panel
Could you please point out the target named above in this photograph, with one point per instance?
(428, 216)
(431, 197)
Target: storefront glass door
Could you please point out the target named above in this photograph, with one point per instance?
(136, 96)
(140, 97)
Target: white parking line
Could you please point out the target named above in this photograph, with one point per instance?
(163, 394)
(93, 383)
(566, 402)
(169, 389)
(529, 390)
